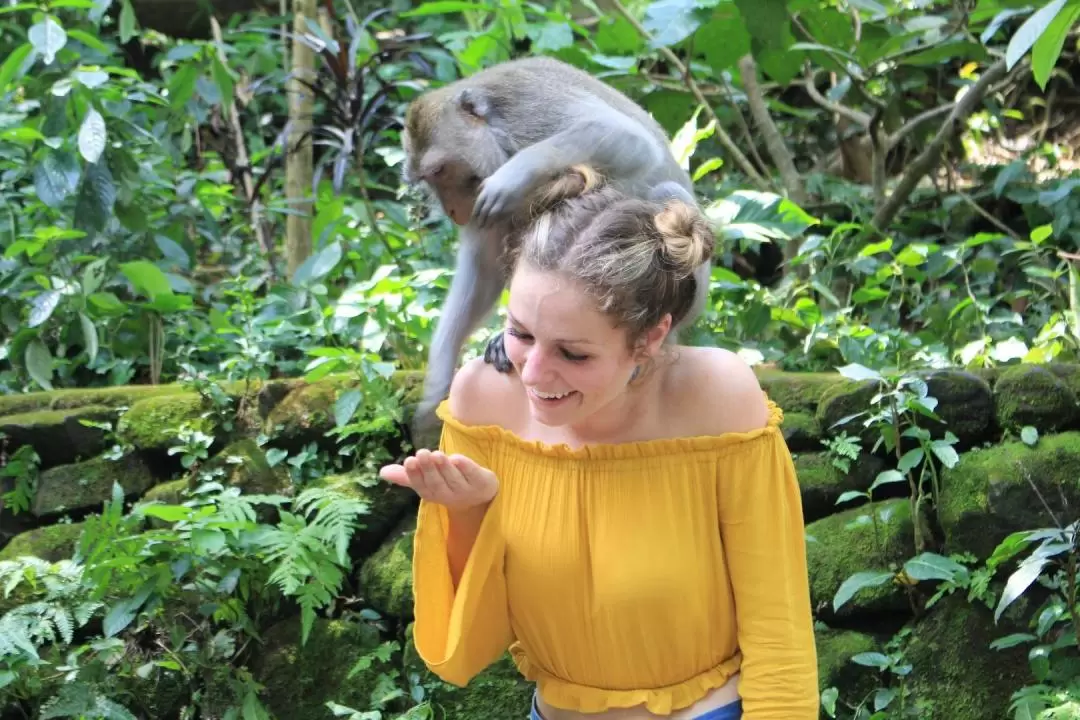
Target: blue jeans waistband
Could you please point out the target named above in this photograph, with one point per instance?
(731, 711)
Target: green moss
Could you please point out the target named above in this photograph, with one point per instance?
(245, 466)
(113, 397)
(153, 423)
(1032, 395)
(301, 679)
(965, 405)
(797, 392)
(843, 544)
(86, 485)
(307, 412)
(801, 432)
(842, 400)
(386, 576)
(52, 542)
(989, 494)
(955, 675)
(822, 482)
(1069, 373)
(499, 691)
(835, 648)
(58, 436)
(170, 493)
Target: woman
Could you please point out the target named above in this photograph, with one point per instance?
(621, 513)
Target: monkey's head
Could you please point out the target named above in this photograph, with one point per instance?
(452, 143)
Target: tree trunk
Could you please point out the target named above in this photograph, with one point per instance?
(298, 162)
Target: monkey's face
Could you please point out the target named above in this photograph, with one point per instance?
(450, 149)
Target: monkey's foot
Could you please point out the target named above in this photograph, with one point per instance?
(495, 354)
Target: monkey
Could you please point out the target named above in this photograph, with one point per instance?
(482, 144)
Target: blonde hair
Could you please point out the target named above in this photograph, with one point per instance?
(634, 257)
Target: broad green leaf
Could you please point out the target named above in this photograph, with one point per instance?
(127, 21)
(88, 40)
(168, 513)
(1045, 52)
(849, 495)
(883, 697)
(319, 264)
(42, 306)
(56, 178)
(92, 136)
(945, 452)
(91, 78)
(118, 618)
(147, 278)
(90, 337)
(346, 405)
(97, 195)
(551, 36)
(1012, 640)
(445, 7)
(6, 678)
(1030, 31)
(1029, 435)
(855, 371)
(207, 540)
(108, 303)
(669, 22)
(931, 566)
(887, 477)
(13, 64)
(871, 659)
(855, 583)
(767, 21)
(48, 38)
(910, 460)
(39, 363)
(1018, 582)
(723, 39)
(181, 85)
(223, 79)
(829, 696)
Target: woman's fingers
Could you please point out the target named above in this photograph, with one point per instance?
(395, 474)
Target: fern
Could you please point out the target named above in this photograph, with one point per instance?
(78, 700)
(311, 556)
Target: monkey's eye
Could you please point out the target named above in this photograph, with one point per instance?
(473, 180)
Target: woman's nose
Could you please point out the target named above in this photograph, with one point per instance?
(534, 368)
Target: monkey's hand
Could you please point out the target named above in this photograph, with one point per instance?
(502, 192)
(495, 354)
(453, 481)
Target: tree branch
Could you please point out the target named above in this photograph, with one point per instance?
(741, 160)
(774, 141)
(243, 160)
(856, 116)
(929, 157)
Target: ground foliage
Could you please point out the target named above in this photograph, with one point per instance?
(894, 187)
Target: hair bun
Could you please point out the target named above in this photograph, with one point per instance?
(687, 239)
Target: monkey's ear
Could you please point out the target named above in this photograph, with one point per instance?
(474, 102)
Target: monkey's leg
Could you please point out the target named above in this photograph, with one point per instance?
(608, 141)
(473, 293)
(495, 354)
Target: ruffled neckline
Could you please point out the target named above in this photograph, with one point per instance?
(617, 451)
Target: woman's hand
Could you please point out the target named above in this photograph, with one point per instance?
(451, 480)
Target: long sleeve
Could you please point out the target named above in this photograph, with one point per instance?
(761, 526)
(458, 634)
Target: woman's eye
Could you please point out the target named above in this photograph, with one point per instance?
(519, 335)
(574, 358)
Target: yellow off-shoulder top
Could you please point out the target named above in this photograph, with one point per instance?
(626, 574)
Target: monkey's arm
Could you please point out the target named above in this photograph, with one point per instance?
(605, 139)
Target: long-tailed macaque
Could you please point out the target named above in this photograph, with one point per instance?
(485, 142)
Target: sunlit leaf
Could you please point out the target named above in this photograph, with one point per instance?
(92, 136)
(39, 363)
(48, 38)
(1026, 35)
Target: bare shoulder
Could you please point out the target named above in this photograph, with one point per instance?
(720, 391)
(481, 395)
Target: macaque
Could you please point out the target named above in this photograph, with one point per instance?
(484, 143)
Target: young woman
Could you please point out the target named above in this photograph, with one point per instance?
(620, 512)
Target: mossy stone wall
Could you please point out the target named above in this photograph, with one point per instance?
(992, 492)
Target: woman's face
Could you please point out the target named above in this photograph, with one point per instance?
(570, 357)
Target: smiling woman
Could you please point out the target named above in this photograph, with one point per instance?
(621, 513)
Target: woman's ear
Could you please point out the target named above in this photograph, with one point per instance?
(655, 337)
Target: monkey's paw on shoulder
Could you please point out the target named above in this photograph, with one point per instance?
(495, 354)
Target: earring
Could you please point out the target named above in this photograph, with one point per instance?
(634, 375)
